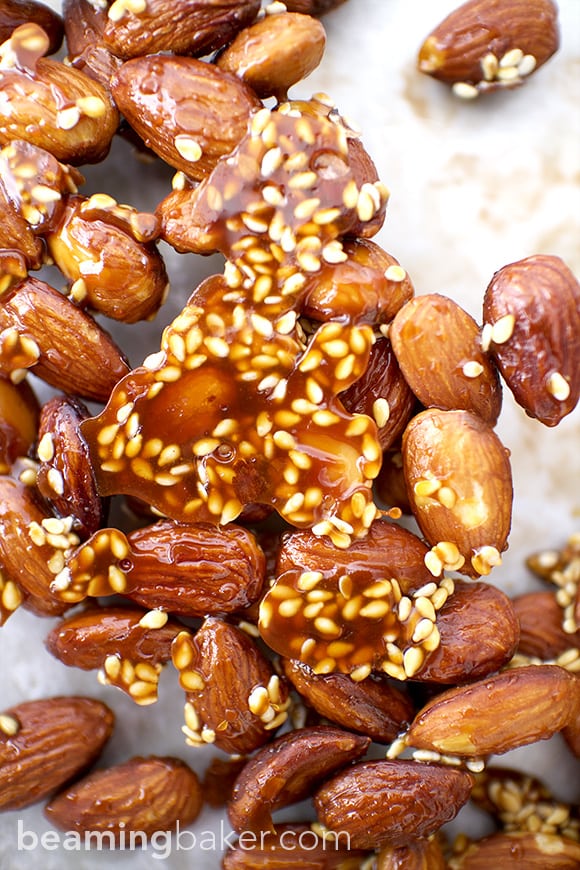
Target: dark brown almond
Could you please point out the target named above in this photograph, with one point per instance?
(234, 699)
(499, 713)
(522, 851)
(13, 13)
(183, 221)
(531, 313)
(286, 771)
(424, 854)
(390, 484)
(479, 635)
(438, 347)
(45, 743)
(275, 53)
(541, 632)
(65, 476)
(219, 778)
(396, 802)
(312, 7)
(52, 105)
(373, 707)
(193, 27)
(188, 112)
(143, 794)
(65, 346)
(127, 645)
(19, 416)
(460, 486)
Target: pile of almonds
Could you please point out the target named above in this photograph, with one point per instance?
(228, 510)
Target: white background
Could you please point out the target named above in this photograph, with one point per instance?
(474, 186)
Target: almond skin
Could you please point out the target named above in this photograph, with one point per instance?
(182, 106)
(541, 632)
(379, 802)
(437, 345)
(520, 850)
(454, 50)
(16, 12)
(286, 771)
(143, 794)
(55, 740)
(460, 485)
(499, 713)
(531, 313)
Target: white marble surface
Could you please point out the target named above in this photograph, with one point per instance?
(474, 186)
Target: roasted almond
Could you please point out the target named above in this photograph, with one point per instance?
(312, 7)
(275, 53)
(129, 646)
(233, 697)
(292, 846)
(424, 854)
(53, 105)
(531, 313)
(41, 329)
(188, 112)
(373, 707)
(437, 345)
(16, 12)
(286, 771)
(19, 416)
(143, 794)
(499, 713)
(541, 631)
(396, 802)
(460, 486)
(45, 743)
(519, 850)
(486, 45)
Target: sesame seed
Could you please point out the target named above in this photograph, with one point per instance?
(55, 480)
(9, 725)
(465, 91)
(502, 329)
(68, 118)
(489, 66)
(153, 619)
(472, 369)
(412, 660)
(511, 58)
(527, 65)
(558, 386)
(395, 273)
(45, 451)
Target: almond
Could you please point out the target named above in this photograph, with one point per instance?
(499, 713)
(486, 45)
(275, 53)
(42, 329)
(371, 707)
(286, 771)
(187, 111)
(65, 476)
(234, 698)
(531, 314)
(16, 12)
(437, 345)
(312, 7)
(19, 415)
(396, 802)
(292, 846)
(424, 854)
(143, 794)
(53, 105)
(192, 27)
(129, 646)
(541, 632)
(460, 485)
(532, 851)
(45, 743)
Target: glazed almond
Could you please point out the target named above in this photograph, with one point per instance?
(541, 631)
(525, 850)
(19, 415)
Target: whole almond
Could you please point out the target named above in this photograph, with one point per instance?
(484, 45)
(437, 345)
(45, 743)
(53, 105)
(275, 53)
(541, 632)
(460, 485)
(234, 698)
(499, 713)
(286, 771)
(525, 850)
(292, 846)
(379, 802)
(188, 112)
(531, 313)
(19, 416)
(143, 794)
(16, 12)
(424, 854)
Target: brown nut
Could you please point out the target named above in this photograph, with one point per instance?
(105, 252)
(390, 485)
(424, 854)
(498, 713)
(487, 45)
(53, 105)
(373, 707)
(234, 699)
(45, 743)
(460, 486)
(41, 329)
(143, 794)
(519, 850)
(65, 478)
(379, 802)
(187, 569)
(531, 313)
(83, 25)
(437, 345)
(19, 416)
(312, 7)
(13, 13)
(275, 53)
(127, 645)
(292, 846)
(541, 631)
(285, 771)
(188, 112)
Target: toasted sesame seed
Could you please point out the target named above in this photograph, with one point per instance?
(9, 725)
(527, 65)
(502, 329)
(558, 386)
(465, 91)
(511, 58)
(55, 480)
(45, 451)
(413, 660)
(153, 619)
(472, 369)
(489, 66)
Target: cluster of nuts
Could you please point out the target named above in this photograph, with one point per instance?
(300, 402)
